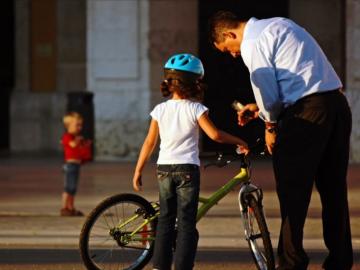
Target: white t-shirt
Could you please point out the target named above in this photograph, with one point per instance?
(179, 131)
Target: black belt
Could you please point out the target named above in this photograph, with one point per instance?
(330, 92)
(303, 99)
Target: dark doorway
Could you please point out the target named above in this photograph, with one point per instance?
(228, 78)
(6, 71)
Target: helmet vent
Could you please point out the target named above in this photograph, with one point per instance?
(173, 61)
(185, 62)
(181, 57)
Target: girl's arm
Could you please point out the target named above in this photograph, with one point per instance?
(218, 135)
(145, 153)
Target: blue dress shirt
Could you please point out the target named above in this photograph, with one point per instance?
(285, 64)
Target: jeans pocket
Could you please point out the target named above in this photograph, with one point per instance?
(189, 176)
(161, 175)
(186, 176)
(189, 179)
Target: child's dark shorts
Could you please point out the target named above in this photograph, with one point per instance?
(71, 179)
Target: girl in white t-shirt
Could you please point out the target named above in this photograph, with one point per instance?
(177, 122)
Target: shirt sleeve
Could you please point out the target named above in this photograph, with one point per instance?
(264, 81)
(155, 113)
(200, 109)
(66, 139)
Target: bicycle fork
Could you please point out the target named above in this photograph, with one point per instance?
(245, 190)
(245, 209)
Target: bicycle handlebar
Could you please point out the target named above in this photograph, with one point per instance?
(220, 162)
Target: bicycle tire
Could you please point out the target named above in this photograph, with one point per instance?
(267, 253)
(102, 208)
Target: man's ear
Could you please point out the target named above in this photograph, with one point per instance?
(229, 34)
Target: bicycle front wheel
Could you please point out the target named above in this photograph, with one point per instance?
(258, 235)
(119, 234)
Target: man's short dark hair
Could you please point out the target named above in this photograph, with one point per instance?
(219, 23)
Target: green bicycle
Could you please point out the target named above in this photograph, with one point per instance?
(120, 232)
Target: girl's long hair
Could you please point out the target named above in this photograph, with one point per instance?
(188, 90)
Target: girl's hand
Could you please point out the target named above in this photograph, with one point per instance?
(137, 183)
(242, 149)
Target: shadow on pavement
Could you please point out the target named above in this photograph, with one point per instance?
(55, 256)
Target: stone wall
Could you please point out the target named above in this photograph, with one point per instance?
(36, 124)
(117, 50)
(71, 32)
(173, 29)
(330, 25)
(353, 72)
(118, 74)
(324, 20)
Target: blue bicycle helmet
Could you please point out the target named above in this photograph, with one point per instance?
(184, 66)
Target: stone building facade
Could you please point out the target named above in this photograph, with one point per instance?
(116, 49)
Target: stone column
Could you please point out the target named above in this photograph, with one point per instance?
(173, 29)
(353, 72)
(118, 74)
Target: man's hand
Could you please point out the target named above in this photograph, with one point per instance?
(270, 138)
(247, 114)
(137, 183)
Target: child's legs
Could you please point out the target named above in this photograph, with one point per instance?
(72, 172)
(188, 185)
(166, 222)
(66, 200)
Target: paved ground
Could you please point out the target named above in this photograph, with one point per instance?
(33, 236)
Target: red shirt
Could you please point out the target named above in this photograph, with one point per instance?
(82, 151)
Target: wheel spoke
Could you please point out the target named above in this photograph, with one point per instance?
(258, 236)
(137, 248)
(110, 246)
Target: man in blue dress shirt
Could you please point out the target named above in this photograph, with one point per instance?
(307, 128)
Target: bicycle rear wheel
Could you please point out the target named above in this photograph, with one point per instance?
(258, 236)
(119, 234)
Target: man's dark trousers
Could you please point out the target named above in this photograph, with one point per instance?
(312, 146)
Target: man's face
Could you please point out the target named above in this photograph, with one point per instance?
(231, 44)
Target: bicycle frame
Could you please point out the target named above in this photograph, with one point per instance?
(242, 178)
(207, 203)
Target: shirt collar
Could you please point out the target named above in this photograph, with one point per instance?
(248, 26)
(247, 30)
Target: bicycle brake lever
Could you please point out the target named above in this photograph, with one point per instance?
(219, 163)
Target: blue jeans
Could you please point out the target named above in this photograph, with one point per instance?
(179, 196)
(72, 173)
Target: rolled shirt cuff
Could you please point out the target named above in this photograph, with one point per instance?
(268, 117)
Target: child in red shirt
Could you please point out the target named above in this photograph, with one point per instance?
(76, 151)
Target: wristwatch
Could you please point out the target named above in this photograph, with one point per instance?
(270, 127)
